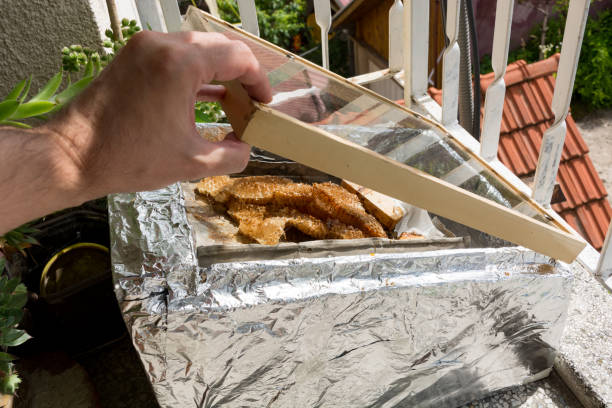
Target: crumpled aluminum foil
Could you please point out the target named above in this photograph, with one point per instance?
(430, 329)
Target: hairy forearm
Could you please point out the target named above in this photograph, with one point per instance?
(37, 176)
(132, 129)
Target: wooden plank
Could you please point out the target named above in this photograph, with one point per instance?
(371, 77)
(373, 28)
(386, 209)
(295, 140)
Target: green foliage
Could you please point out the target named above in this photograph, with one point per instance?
(13, 297)
(209, 112)
(280, 21)
(593, 79)
(19, 239)
(15, 108)
(593, 84)
(77, 58)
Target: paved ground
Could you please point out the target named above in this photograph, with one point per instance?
(550, 392)
(596, 128)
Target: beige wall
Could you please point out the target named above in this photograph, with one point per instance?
(32, 33)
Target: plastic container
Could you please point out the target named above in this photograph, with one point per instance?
(81, 314)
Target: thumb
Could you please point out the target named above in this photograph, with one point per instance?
(219, 158)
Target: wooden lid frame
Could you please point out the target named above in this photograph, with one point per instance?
(272, 130)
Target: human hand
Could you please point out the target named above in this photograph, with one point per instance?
(133, 128)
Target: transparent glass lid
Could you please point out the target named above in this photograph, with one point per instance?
(320, 98)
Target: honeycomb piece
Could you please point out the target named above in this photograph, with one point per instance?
(266, 231)
(296, 195)
(257, 189)
(337, 203)
(305, 223)
(215, 188)
(338, 230)
(240, 211)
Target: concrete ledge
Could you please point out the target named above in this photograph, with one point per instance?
(584, 361)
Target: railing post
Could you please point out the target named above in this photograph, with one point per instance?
(396, 54)
(554, 137)
(416, 47)
(248, 16)
(604, 266)
(407, 51)
(494, 100)
(450, 65)
(172, 15)
(323, 19)
(151, 15)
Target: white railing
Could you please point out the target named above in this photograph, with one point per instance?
(496, 92)
(407, 22)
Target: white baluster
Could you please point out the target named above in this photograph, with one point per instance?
(419, 47)
(248, 16)
(554, 137)
(172, 15)
(494, 100)
(151, 15)
(396, 55)
(416, 47)
(323, 19)
(604, 266)
(407, 52)
(450, 67)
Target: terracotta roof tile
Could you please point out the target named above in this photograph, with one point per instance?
(526, 116)
(580, 183)
(595, 218)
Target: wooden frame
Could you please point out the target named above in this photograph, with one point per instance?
(284, 135)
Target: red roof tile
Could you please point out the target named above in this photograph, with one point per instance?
(526, 116)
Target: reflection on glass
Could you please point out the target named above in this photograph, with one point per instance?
(315, 97)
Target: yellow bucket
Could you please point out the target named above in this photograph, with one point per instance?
(54, 258)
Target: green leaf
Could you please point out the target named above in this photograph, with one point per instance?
(7, 357)
(73, 90)
(11, 285)
(12, 317)
(18, 298)
(2, 263)
(13, 337)
(34, 108)
(50, 88)
(15, 124)
(16, 91)
(200, 117)
(7, 108)
(27, 89)
(89, 68)
(10, 384)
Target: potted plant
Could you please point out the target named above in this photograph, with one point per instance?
(13, 297)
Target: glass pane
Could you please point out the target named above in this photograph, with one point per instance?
(332, 103)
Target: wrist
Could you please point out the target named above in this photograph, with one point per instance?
(65, 139)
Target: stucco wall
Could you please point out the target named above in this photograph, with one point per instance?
(33, 32)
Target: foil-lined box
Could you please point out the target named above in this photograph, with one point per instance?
(428, 328)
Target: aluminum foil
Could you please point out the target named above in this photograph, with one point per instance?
(429, 329)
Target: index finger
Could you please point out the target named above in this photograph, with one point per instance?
(225, 60)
